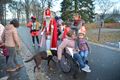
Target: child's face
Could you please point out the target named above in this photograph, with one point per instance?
(33, 20)
(73, 36)
(81, 36)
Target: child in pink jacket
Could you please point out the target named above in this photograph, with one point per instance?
(11, 40)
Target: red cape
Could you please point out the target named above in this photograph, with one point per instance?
(55, 33)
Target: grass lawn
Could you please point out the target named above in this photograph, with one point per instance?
(104, 37)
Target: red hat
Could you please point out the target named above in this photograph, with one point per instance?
(33, 17)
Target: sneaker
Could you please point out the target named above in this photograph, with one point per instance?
(11, 69)
(86, 69)
(87, 66)
(18, 66)
(38, 45)
(33, 45)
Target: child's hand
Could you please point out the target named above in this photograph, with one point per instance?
(18, 50)
(75, 49)
(87, 38)
(2, 44)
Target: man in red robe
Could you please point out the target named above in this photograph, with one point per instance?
(50, 29)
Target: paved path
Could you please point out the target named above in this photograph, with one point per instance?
(104, 62)
(18, 75)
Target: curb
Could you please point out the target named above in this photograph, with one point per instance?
(105, 46)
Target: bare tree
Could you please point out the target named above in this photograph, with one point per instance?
(43, 3)
(35, 8)
(16, 8)
(26, 4)
(104, 6)
(27, 8)
(3, 10)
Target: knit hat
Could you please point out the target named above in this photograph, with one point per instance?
(33, 17)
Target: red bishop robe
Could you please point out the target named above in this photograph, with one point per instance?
(54, 33)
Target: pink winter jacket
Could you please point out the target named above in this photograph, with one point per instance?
(10, 36)
(1, 32)
(67, 42)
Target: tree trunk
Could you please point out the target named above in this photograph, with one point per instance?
(18, 15)
(27, 14)
(27, 10)
(99, 33)
(1, 13)
(76, 4)
(5, 15)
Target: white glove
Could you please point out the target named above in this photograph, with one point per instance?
(42, 33)
(52, 26)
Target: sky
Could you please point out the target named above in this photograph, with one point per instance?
(116, 6)
(57, 7)
(97, 10)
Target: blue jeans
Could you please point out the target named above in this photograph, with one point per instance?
(84, 55)
(12, 60)
(78, 57)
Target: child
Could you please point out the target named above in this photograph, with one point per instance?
(83, 29)
(11, 41)
(34, 26)
(83, 47)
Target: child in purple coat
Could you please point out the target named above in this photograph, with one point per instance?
(83, 47)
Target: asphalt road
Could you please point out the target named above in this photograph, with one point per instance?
(17, 75)
(104, 62)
